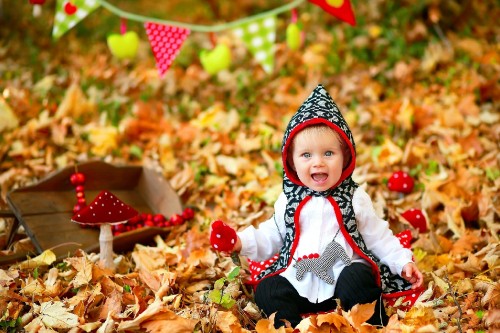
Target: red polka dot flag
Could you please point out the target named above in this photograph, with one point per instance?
(166, 42)
(341, 9)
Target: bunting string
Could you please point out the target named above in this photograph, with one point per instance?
(199, 27)
(258, 32)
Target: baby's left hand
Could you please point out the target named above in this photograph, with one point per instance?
(411, 274)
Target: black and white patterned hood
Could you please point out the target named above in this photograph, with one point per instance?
(318, 108)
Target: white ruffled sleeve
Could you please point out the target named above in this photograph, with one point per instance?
(377, 235)
(263, 242)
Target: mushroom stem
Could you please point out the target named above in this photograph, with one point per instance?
(106, 246)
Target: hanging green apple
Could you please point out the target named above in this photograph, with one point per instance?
(124, 46)
(216, 60)
(293, 36)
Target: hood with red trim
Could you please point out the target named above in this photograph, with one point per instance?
(318, 108)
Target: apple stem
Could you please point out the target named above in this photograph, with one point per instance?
(294, 15)
(213, 39)
(106, 246)
(123, 26)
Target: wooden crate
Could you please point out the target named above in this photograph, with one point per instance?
(45, 209)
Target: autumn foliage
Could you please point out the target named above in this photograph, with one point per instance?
(417, 82)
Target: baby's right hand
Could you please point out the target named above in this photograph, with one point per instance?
(223, 237)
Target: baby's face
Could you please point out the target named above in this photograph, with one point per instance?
(318, 159)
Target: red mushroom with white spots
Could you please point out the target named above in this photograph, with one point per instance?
(105, 210)
(401, 182)
(416, 218)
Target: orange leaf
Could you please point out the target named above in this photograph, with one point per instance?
(169, 322)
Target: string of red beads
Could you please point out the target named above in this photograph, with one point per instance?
(140, 221)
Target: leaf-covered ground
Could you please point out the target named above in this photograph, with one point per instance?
(418, 82)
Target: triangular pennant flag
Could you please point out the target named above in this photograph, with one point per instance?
(69, 13)
(341, 9)
(259, 37)
(166, 42)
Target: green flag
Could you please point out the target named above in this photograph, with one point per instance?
(259, 37)
(69, 13)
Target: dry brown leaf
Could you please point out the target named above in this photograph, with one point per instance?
(334, 319)
(359, 314)
(55, 314)
(83, 268)
(473, 264)
(169, 322)
(112, 304)
(227, 322)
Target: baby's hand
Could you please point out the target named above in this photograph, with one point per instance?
(411, 274)
(223, 237)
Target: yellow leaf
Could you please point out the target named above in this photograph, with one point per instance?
(103, 139)
(46, 258)
(75, 104)
(8, 119)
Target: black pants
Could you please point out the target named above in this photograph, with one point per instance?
(355, 285)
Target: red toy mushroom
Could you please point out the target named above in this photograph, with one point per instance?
(105, 210)
(416, 218)
(401, 181)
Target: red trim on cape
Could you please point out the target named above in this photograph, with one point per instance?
(295, 240)
(352, 243)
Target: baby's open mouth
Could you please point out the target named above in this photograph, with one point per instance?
(319, 177)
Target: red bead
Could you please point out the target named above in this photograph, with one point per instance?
(80, 194)
(188, 213)
(149, 223)
(135, 220)
(79, 188)
(77, 208)
(77, 178)
(159, 219)
(176, 219)
(82, 202)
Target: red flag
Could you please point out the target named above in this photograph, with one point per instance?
(166, 42)
(341, 9)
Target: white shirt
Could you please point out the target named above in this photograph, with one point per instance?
(318, 226)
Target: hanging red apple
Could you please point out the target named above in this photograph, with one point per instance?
(70, 8)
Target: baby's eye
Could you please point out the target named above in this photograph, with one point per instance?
(329, 153)
(306, 155)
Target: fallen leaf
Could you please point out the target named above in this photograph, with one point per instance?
(46, 258)
(56, 315)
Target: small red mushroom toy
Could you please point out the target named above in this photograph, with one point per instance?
(416, 218)
(401, 182)
(105, 210)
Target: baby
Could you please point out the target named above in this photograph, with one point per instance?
(330, 242)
